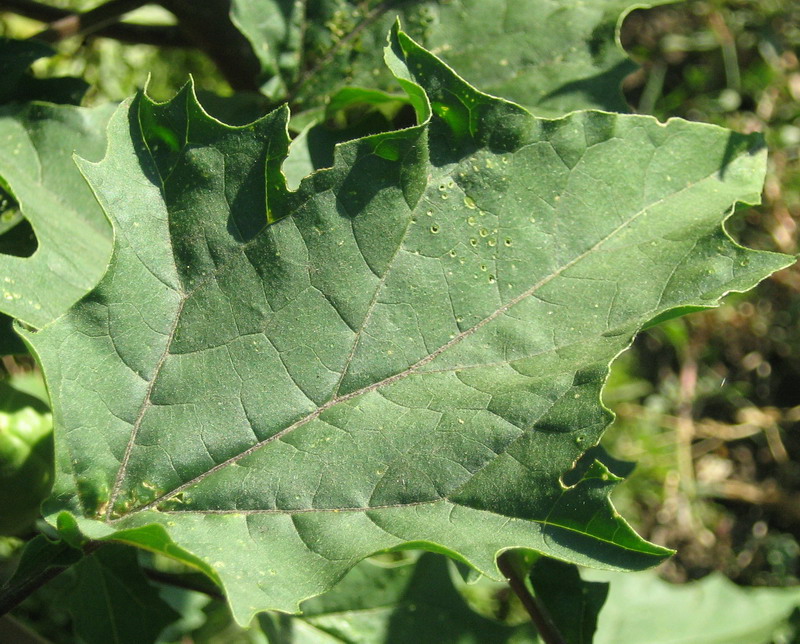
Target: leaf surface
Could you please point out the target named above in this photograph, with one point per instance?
(410, 352)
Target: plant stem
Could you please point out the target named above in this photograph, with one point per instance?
(13, 596)
(83, 24)
(547, 630)
(159, 35)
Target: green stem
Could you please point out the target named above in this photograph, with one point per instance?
(547, 630)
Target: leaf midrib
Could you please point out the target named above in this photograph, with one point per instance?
(146, 402)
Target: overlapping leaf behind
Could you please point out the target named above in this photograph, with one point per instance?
(40, 182)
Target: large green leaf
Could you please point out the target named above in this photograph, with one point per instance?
(411, 354)
(551, 55)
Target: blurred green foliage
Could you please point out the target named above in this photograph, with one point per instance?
(116, 70)
(708, 405)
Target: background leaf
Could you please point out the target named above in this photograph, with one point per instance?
(645, 609)
(553, 56)
(20, 86)
(274, 28)
(113, 602)
(26, 457)
(40, 554)
(572, 603)
(377, 603)
(350, 114)
(39, 177)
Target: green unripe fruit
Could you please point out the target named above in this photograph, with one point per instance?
(26, 466)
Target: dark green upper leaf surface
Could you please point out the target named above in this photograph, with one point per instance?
(38, 174)
(411, 353)
(551, 55)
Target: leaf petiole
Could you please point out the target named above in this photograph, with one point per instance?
(509, 563)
